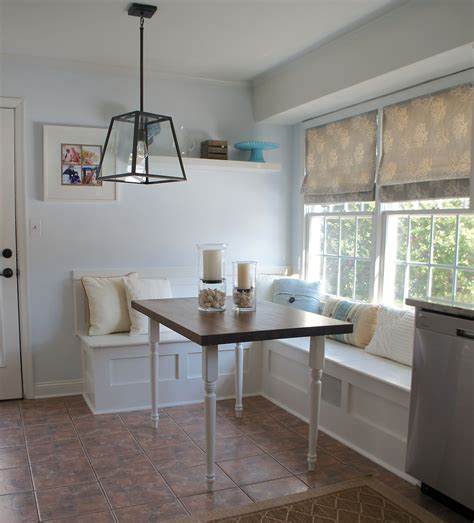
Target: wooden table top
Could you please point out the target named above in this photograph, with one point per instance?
(270, 321)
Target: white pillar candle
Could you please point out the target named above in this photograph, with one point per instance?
(212, 265)
(244, 280)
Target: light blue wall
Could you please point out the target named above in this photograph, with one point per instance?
(148, 226)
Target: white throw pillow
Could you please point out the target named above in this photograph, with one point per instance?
(144, 289)
(108, 311)
(394, 335)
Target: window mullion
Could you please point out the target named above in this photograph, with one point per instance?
(430, 262)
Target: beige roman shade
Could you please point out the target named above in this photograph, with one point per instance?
(426, 147)
(340, 161)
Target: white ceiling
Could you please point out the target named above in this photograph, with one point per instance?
(218, 39)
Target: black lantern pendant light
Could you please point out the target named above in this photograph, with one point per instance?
(141, 147)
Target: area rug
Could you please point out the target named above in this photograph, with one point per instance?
(364, 500)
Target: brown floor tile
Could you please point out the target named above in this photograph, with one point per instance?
(11, 438)
(62, 472)
(74, 401)
(12, 457)
(232, 448)
(79, 412)
(9, 405)
(105, 424)
(327, 475)
(187, 455)
(344, 454)
(72, 500)
(151, 513)
(18, 507)
(254, 469)
(141, 419)
(289, 420)
(224, 429)
(66, 449)
(211, 501)
(39, 434)
(259, 403)
(10, 419)
(161, 437)
(107, 444)
(296, 459)
(136, 489)
(97, 517)
(15, 480)
(42, 404)
(186, 415)
(255, 423)
(115, 465)
(275, 488)
(191, 480)
(44, 417)
(278, 440)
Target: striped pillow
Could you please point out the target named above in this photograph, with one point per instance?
(362, 315)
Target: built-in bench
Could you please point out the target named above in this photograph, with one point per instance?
(115, 367)
(365, 398)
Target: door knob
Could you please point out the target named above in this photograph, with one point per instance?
(7, 273)
(7, 253)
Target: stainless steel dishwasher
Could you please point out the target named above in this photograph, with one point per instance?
(440, 449)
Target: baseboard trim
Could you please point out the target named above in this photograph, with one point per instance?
(50, 389)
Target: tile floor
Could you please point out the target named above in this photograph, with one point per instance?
(58, 462)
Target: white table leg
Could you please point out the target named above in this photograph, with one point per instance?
(239, 378)
(316, 364)
(209, 375)
(154, 330)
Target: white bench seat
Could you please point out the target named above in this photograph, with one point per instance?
(123, 339)
(355, 358)
(365, 398)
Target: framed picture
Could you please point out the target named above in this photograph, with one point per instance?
(71, 160)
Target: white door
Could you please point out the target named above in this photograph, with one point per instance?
(10, 358)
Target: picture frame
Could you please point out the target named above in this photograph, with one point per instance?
(71, 157)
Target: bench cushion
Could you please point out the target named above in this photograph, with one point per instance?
(358, 360)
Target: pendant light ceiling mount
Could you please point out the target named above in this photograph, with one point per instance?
(141, 147)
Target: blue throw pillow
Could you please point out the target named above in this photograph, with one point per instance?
(299, 294)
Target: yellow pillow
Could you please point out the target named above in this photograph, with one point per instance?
(362, 315)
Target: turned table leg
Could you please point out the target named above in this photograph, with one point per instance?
(209, 376)
(154, 330)
(316, 364)
(239, 378)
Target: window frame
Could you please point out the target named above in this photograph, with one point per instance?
(381, 211)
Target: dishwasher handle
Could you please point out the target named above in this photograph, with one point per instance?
(445, 324)
(463, 333)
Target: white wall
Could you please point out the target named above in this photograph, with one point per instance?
(419, 41)
(148, 226)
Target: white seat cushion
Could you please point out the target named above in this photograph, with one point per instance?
(124, 340)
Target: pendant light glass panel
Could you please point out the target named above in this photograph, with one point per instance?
(142, 148)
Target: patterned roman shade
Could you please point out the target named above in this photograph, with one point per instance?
(340, 161)
(426, 147)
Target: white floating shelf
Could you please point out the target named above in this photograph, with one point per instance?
(229, 166)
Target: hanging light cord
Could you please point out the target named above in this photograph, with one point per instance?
(142, 20)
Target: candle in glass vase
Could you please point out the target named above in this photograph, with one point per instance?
(212, 265)
(244, 276)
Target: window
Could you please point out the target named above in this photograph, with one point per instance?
(340, 248)
(425, 249)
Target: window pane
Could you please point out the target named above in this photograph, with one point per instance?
(418, 284)
(332, 265)
(315, 268)
(399, 290)
(362, 291)
(466, 241)
(332, 236)
(348, 234)
(364, 237)
(402, 238)
(346, 286)
(444, 240)
(420, 239)
(465, 287)
(442, 284)
(316, 235)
